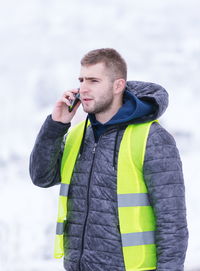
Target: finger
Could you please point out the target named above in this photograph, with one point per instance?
(67, 101)
(68, 95)
(71, 93)
(75, 90)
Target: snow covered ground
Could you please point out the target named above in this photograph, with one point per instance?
(41, 45)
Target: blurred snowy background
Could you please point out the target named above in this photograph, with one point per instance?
(41, 43)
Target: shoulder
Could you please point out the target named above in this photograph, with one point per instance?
(158, 135)
(161, 146)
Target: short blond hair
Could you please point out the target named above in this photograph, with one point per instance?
(111, 58)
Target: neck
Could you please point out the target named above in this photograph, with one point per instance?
(104, 117)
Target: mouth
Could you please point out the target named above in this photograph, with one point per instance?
(87, 99)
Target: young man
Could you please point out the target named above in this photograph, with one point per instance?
(122, 200)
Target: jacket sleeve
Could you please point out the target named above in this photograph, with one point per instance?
(45, 158)
(164, 179)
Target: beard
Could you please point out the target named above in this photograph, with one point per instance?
(103, 104)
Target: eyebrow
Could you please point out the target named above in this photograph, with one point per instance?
(88, 78)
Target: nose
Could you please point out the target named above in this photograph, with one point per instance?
(83, 88)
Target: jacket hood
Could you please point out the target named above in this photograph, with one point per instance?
(152, 93)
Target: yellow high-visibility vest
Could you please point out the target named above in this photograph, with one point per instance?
(136, 216)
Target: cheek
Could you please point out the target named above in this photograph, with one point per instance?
(102, 92)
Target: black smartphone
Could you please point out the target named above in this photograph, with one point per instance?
(74, 102)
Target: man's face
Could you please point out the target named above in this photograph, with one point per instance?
(96, 88)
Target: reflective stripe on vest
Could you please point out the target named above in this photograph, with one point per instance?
(136, 217)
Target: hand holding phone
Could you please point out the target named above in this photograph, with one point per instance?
(62, 111)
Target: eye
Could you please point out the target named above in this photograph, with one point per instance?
(80, 80)
(94, 81)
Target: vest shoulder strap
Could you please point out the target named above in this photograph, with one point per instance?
(131, 157)
(137, 135)
(71, 150)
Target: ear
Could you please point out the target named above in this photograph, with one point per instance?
(119, 85)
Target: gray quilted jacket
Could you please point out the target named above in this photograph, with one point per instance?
(92, 237)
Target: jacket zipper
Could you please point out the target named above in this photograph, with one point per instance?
(87, 212)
